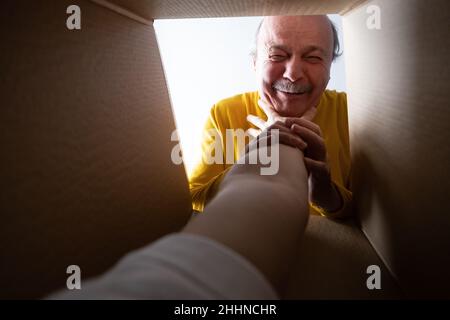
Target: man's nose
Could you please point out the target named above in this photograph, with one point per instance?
(294, 69)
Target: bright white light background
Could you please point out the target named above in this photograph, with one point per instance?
(206, 60)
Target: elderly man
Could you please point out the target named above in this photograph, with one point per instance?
(292, 61)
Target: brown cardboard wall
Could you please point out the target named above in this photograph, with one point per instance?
(86, 122)
(86, 173)
(332, 263)
(175, 9)
(399, 116)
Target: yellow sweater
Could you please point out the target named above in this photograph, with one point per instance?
(231, 113)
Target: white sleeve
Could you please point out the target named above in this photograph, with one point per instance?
(177, 266)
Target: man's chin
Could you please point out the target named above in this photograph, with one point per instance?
(288, 111)
(290, 108)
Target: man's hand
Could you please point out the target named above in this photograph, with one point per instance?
(274, 121)
(322, 190)
(288, 135)
(307, 136)
(272, 118)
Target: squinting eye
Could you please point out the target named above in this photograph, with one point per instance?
(276, 57)
(314, 58)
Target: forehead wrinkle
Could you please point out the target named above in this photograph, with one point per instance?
(276, 29)
(270, 45)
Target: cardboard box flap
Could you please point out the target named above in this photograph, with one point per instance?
(176, 9)
(86, 144)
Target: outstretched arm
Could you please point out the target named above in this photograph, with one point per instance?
(261, 217)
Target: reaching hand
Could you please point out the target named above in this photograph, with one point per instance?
(274, 121)
(304, 134)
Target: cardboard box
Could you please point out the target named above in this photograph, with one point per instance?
(86, 122)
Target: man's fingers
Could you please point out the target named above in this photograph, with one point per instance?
(292, 140)
(277, 125)
(253, 132)
(316, 145)
(287, 138)
(318, 168)
(304, 123)
(308, 135)
(280, 126)
(256, 121)
(272, 115)
(266, 108)
(309, 114)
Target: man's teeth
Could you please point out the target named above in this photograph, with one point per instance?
(290, 92)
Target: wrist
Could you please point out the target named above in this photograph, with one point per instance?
(326, 196)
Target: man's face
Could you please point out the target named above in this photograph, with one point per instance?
(293, 61)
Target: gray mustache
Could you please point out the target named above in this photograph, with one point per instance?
(287, 86)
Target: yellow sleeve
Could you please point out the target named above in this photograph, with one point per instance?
(205, 178)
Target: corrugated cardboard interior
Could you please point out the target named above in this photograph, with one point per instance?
(399, 119)
(86, 126)
(86, 123)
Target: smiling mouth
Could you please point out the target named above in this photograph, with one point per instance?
(292, 93)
